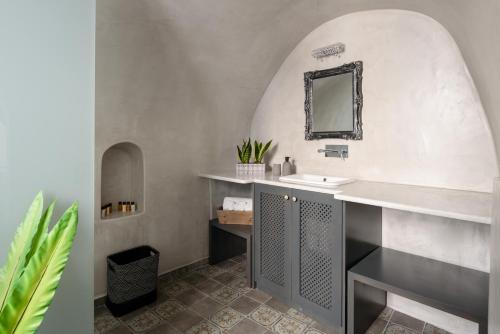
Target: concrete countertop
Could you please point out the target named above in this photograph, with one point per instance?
(456, 204)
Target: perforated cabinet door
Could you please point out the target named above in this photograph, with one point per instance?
(272, 218)
(317, 255)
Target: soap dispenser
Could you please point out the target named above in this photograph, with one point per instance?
(287, 167)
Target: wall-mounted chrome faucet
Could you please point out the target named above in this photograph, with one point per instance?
(335, 151)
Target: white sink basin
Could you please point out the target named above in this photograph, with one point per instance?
(316, 180)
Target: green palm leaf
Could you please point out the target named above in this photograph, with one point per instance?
(16, 260)
(35, 290)
(42, 231)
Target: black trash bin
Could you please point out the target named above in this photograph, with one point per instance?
(132, 279)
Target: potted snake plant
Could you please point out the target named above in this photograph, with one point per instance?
(257, 168)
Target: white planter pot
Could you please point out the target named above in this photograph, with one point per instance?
(250, 169)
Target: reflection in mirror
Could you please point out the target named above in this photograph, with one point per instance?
(333, 102)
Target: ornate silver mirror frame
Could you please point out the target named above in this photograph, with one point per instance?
(356, 68)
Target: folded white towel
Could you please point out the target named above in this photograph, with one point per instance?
(237, 204)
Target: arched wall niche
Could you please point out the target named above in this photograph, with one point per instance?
(122, 178)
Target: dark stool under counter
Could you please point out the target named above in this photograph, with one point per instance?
(229, 240)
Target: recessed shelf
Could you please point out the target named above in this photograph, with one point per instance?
(122, 178)
(121, 215)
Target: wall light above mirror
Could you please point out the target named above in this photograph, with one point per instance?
(333, 103)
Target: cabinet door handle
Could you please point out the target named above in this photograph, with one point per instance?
(294, 199)
(286, 197)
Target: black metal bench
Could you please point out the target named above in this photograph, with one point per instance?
(227, 241)
(450, 288)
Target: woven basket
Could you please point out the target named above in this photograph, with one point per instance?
(132, 274)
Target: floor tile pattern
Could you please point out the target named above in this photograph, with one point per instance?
(394, 322)
(204, 299)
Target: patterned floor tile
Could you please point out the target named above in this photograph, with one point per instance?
(180, 308)
(204, 327)
(194, 278)
(265, 316)
(247, 326)
(312, 331)
(240, 269)
(407, 321)
(398, 329)
(175, 288)
(297, 315)
(168, 309)
(430, 329)
(181, 272)
(258, 295)
(190, 296)
(101, 310)
(122, 329)
(278, 305)
(289, 326)
(238, 259)
(322, 328)
(209, 271)
(377, 327)
(143, 322)
(164, 329)
(206, 307)
(226, 265)
(386, 314)
(165, 280)
(244, 305)
(208, 286)
(104, 323)
(161, 298)
(226, 318)
(240, 284)
(225, 295)
(184, 320)
(225, 278)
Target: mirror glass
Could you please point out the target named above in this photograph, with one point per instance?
(333, 103)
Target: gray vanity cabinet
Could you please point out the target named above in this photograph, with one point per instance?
(272, 216)
(317, 255)
(298, 249)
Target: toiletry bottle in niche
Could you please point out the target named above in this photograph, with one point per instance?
(132, 207)
(287, 167)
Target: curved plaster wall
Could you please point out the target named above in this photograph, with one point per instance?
(423, 120)
(423, 124)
